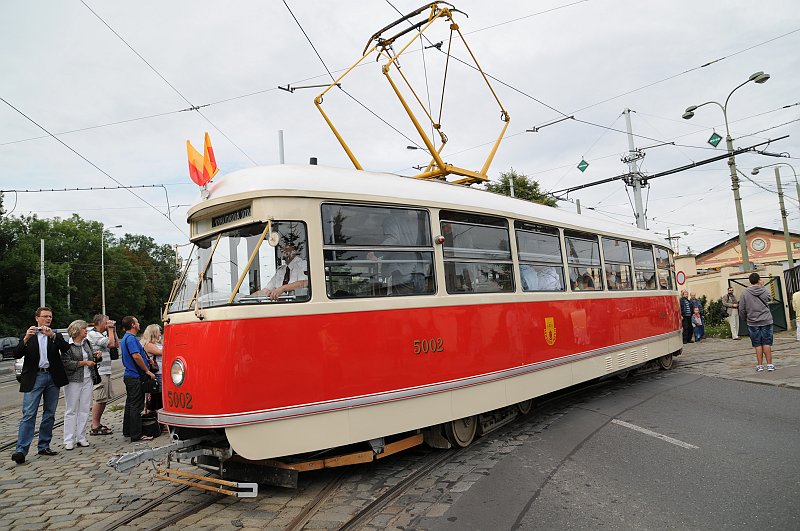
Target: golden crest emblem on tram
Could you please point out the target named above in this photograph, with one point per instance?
(550, 331)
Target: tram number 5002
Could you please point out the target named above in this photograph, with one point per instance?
(182, 400)
(424, 346)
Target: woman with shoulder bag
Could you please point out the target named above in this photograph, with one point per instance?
(78, 362)
(152, 344)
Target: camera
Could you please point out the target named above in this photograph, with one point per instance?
(39, 328)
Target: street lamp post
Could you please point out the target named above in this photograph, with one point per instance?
(758, 77)
(786, 237)
(103, 268)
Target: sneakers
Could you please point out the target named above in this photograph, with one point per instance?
(70, 445)
(759, 368)
(18, 457)
(83, 444)
(770, 367)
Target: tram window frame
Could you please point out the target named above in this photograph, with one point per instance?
(474, 266)
(665, 275)
(616, 268)
(355, 262)
(583, 268)
(644, 270)
(533, 265)
(211, 254)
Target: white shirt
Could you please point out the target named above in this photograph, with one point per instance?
(297, 271)
(44, 363)
(99, 342)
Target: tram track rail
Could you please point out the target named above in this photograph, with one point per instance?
(435, 459)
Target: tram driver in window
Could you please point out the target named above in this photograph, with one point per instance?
(292, 275)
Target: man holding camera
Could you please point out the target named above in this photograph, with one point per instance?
(103, 338)
(42, 375)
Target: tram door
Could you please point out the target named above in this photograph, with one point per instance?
(773, 284)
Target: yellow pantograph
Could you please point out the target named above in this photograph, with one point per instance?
(418, 22)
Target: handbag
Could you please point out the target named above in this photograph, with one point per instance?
(114, 352)
(96, 379)
(150, 385)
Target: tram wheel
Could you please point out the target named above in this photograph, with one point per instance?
(623, 375)
(525, 407)
(666, 362)
(461, 432)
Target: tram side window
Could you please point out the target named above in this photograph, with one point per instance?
(666, 268)
(583, 261)
(477, 253)
(644, 266)
(539, 248)
(618, 264)
(376, 251)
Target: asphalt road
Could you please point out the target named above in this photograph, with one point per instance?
(733, 462)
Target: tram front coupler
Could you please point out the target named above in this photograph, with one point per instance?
(184, 448)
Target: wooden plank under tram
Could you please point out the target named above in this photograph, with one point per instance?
(349, 459)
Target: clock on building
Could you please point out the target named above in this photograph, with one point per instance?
(758, 244)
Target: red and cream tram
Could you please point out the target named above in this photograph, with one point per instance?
(426, 305)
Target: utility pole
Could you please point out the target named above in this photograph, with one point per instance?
(280, 146)
(634, 177)
(783, 216)
(41, 277)
(578, 205)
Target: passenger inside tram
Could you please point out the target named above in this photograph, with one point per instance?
(405, 269)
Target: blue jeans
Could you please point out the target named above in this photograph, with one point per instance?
(43, 388)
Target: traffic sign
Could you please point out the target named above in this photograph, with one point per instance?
(714, 139)
(680, 278)
(582, 165)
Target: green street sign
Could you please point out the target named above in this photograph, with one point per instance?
(582, 165)
(714, 139)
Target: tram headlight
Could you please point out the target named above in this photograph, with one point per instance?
(178, 372)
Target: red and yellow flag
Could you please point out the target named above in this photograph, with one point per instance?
(202, 168)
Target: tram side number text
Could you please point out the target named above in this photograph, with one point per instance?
(182, 400)
(424, 346)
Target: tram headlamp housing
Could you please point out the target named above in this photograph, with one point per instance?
(178, 372)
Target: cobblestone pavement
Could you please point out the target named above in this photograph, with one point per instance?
(76, 490)
(736, 360)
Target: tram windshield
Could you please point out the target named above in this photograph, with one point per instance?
(246, 265)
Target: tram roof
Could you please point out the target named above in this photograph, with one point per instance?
(334, 183)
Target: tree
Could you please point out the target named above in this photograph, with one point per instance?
(524, 188)
(139, 273)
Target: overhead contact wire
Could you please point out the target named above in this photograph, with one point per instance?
(194, 107)
(95, 166)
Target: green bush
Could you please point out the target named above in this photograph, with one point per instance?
(722, 331)
(715, 314)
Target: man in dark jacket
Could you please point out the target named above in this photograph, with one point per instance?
(686, 317)
(42, 375)
(754, 308)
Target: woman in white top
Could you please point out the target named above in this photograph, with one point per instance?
(78, 392)
(152, 344)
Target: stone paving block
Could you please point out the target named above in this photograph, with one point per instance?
(88, 510)
(437, 510)
(28, 526)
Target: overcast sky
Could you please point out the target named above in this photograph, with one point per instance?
(113, 80)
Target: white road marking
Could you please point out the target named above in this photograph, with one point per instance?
(676, 442)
